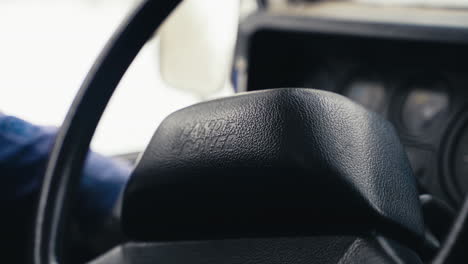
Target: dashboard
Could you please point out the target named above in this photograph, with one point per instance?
(416, 76)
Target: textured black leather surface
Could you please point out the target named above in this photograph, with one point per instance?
(323, 250)
(272, 163)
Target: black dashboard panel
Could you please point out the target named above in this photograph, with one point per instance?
(416, 76)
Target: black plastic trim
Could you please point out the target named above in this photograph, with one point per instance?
(264, 20)
(67, 158)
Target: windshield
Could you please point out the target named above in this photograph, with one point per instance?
(48, 47)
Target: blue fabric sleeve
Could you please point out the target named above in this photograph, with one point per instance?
(24, 151)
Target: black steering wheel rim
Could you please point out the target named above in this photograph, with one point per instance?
(72, 143)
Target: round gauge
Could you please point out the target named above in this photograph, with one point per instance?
(423, 106)
(369, 93)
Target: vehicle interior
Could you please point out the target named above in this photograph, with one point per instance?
(346, 140)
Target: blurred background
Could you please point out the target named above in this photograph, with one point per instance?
(47, 48)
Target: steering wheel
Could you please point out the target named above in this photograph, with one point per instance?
(72, 144)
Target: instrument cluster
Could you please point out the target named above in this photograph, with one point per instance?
(420, 107)
(419, 86)
(430, 114)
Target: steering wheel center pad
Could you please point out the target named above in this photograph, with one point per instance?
(272, 163)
